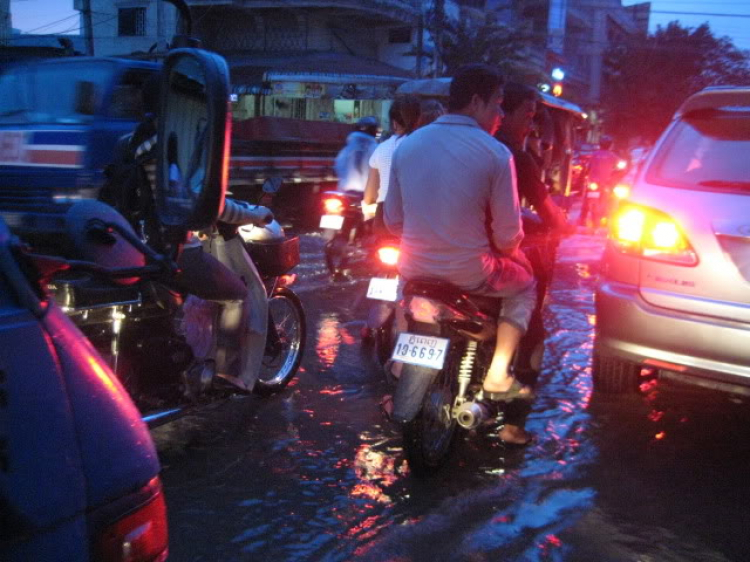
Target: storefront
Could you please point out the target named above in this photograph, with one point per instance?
(315, 87)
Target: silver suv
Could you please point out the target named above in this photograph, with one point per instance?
(674, 294)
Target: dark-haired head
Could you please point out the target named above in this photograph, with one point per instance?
(515, 94)
(471, 79)
(404, 112)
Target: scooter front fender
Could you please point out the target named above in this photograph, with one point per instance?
(410, 391)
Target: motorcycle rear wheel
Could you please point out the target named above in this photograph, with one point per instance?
(428, 438)
(285, 348)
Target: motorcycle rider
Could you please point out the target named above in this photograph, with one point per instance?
(520, 106)
(218, 265)
(601, 170)
(351, 162)
(454, 202)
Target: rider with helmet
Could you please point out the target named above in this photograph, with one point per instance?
(352, 162)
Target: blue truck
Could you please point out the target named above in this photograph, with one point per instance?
(59, 122)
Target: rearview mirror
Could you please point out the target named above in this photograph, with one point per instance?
(192, 148)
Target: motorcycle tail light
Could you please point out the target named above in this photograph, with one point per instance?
(593, 186)
(429, 311)
(652, 235)
(424, 310)
(621, 191)
(333, 206)
(140, 536)
(388, 255)
(621, 165)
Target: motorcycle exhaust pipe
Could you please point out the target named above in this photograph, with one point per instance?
(470, 415)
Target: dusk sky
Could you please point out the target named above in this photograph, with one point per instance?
(55, 16)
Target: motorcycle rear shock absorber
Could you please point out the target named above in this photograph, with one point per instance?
(466, 368)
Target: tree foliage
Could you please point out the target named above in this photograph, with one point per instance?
(646, 79)
(465, 41)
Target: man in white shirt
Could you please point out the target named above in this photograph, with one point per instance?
(453, 200)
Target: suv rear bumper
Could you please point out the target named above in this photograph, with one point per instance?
(686, 346)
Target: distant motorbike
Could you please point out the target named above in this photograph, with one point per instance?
(343, 226)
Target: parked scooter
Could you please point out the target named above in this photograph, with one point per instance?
(157, 317)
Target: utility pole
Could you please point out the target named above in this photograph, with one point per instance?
(88, 27)
(161, 41)
(420, 42)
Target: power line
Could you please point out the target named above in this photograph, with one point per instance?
(700, 14)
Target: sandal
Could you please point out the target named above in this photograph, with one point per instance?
(386, 406)
(515, 392)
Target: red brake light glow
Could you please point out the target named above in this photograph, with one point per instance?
(140, 536)
(621, 191)
(388, 255)
(333, 206)
(652, 234)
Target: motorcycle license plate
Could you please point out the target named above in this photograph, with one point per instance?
(383, 289)
(593, 194)
(425, 351)
(334, 222)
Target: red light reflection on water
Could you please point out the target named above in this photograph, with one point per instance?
(550, 542)
(329, 340)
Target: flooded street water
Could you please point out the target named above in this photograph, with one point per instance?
(316, 473)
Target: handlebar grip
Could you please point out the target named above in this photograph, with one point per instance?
(242, 213)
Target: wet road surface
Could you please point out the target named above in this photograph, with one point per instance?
(317, 474)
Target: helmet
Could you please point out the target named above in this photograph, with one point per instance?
(369, 125)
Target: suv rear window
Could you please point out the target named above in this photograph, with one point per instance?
(706, 149)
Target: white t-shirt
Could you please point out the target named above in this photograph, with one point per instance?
(381, 160)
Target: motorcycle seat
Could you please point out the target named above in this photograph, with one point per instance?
(453, 296)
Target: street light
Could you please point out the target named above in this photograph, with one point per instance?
(558, 74)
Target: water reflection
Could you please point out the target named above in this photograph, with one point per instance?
(328, 340)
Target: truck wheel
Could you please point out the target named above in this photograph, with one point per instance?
(614, 376)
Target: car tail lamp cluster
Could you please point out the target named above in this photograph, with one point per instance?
(651, 234)
(388, 255)
(140, 536)
(333, 206)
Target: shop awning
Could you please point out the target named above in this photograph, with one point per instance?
(256, 73)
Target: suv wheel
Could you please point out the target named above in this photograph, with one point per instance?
(614, 376)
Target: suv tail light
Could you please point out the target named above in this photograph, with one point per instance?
(651, 234)
(139, 536)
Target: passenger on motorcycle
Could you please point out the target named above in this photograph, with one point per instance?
(219, 266)
(519, 105)
(454, 202)
(403, 115)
